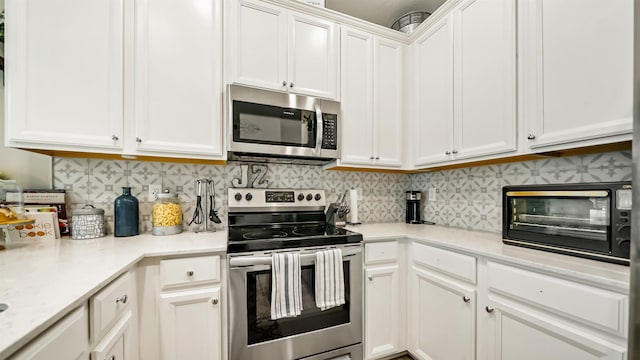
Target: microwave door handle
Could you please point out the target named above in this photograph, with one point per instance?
(319, 131)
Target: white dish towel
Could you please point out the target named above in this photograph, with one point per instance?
(286, 291)
(329, 279)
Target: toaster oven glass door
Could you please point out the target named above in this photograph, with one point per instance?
(578, 219)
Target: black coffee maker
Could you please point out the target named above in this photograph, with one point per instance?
(414, 203)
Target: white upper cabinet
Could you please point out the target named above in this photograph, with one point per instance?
(433, 94)
(178, 81)
(576, 81)
(484, 78)
(278, 49)
(465, 104)
(357, 97)
(64, 74)
(120, 77)
(372, 101)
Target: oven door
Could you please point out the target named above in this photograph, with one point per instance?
(254, 336)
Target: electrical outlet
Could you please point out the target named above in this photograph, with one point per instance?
(432, 194)
(154, 190)
(359, 194)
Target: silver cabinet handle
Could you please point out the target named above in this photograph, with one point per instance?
(370, 157)
(284, 82)
(190, 273)
(123, 299)
(447, 152)
(377, 158)
(454, 151)
(138, 140)
(214, 301)
(370, 278)
(466, 299)
(114, 138)
(489, 309)
(291, 84)
(531, 137)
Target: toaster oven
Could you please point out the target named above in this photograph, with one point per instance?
(591, 220)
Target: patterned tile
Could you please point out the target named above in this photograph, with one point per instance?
(467, 198)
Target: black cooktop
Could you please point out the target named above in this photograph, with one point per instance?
(285, 236)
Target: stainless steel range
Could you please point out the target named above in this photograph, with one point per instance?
(261, 223)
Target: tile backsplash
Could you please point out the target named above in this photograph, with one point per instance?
(471, 198)
(99, 182)
(467, 198)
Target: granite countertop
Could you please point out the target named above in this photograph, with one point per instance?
(41, 281)
(489, 245)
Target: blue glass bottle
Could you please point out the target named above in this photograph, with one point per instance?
(126, 215)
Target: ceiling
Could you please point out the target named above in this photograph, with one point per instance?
(382, 12)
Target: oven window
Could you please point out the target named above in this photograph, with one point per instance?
(260, 326)
(272, 125)
(577, 217)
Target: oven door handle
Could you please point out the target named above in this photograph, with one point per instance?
(246, 261)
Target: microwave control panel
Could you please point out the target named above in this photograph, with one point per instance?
(330, 131)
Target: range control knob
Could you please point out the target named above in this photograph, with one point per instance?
(300, 197)
(237, 196)
(318, 197)
(309, 197)
(248, 196)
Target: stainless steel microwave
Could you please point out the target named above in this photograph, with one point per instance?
(591, 220)
(281, 127)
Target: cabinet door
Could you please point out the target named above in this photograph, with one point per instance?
(64, 87)
(259, 42)
(67, 339)
(357, 95)
(433, 95)
(382, 311)
(190, 325)
(442, 317)
(576, 80)
(178, 77)
(313, 56)
(516, 333)
(484, 78)
(118, 343)
(388, 111)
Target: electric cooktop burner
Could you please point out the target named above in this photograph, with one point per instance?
(264, 234)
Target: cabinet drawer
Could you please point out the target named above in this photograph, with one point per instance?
(113, 346)
(106, 306)
(67, 339)
(189, 271)
(604, 309)
(451, 263)
(378, 252)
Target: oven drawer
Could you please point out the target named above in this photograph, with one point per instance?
(451, 263)
(597, 307)
(381, 252)
(189, 271)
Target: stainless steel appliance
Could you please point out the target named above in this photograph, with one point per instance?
(262, 222)
(634, 285)
(279, 127)
(591, 220)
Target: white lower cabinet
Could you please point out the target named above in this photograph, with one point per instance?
(442, 324)
(67, 339)
(118, 344)
(182, 308)
(190, 324)
(383, 308)
(463, 307)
